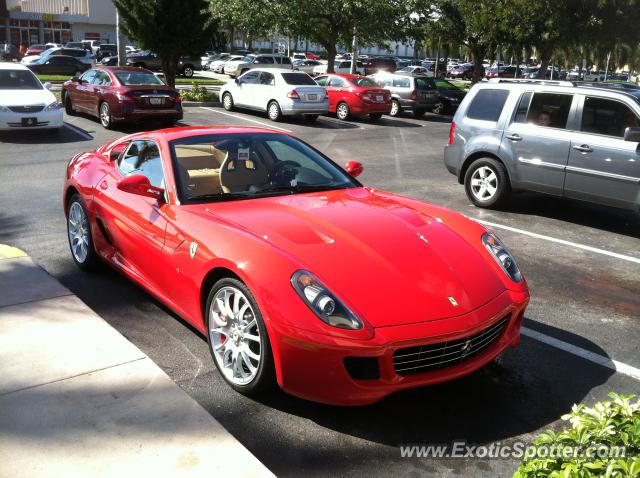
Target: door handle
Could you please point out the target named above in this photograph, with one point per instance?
(583, 148)
(514, 137)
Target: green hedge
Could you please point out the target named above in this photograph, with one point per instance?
(198, 93)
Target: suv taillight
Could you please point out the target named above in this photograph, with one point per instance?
(414, 95)
(452, 132)
(293, 94)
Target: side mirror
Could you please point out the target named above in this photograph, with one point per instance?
(140, 185)
(47, 85)
(632, 134)
(354, 168)
(238, 81)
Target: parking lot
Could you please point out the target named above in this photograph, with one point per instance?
(582, 263)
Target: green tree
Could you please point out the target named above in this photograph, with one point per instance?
(168, 28)
(252, 18)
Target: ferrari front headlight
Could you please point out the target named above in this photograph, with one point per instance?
(323, 302)
(502, 256)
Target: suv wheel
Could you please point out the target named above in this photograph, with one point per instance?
(486, 183)
(395, 108)
(187, 71)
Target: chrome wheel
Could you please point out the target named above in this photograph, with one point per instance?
(105, 115)
(343, 111)
(234, 335)
(78, 229)
(484, 183)
(274, 111)
(227, 102)
(395, 108)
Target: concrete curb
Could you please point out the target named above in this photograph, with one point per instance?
(206, 103)
(78, 399)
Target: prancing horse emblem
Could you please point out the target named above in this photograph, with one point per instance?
(192, 249)
(453, 302)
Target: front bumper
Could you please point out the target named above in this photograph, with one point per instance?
(313, 365)
(43, 120)
(299, 107)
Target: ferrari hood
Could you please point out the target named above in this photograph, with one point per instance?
(390, 263)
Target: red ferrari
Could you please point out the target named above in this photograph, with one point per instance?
(296, 273)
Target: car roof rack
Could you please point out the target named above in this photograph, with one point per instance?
(533, 81)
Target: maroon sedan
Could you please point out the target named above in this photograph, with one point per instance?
(116, 94)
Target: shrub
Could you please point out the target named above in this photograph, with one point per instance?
(199, 94)
(608, 424)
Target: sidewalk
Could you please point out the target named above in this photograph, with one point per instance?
(77, 399)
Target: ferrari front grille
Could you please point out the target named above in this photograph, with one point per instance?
(423, 358)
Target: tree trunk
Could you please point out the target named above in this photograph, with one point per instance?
(477, 56)
(545, 58)
(331, 56)
(169, 68)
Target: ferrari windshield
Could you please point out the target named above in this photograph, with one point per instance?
(251, 165)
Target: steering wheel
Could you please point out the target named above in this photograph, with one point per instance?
(284, 171)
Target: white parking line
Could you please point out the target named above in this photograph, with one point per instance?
(77, 130)
(619, 367)
(561, 241)
(246, 119)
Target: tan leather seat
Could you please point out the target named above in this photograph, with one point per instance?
(202, 164)
(237, 176)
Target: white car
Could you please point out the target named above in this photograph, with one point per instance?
(249, 62)
(217, 66)
(306, 65)
(339, 67)
(24, 102)
(279, 92)
(85, 56)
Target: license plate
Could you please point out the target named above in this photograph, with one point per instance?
(156, 101)
(29, 121)
(312, 97)
(379, 99)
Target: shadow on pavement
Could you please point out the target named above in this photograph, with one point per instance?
(56, 136)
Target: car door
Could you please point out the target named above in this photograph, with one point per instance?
(134, 224)
(603, 167)
(537, 140)
(263, 90)
(246, 88)
(80, 95)
(335, 89)
(101, 86)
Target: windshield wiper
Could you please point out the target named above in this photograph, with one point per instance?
(300, 188)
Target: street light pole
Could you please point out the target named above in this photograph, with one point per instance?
(122, 53)
(354, 57)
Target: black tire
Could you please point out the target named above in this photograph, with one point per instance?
(310, 118)
(419, 113)
(68, 106)
(91, 261)
(375, 116)
(227, 102)
(342, 111)
(104, 113)
(502, 185)
(188, 71)
(396, 109)
(264, 379)
(273, 111)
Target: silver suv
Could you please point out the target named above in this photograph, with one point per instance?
(408, 92)
(553, 137)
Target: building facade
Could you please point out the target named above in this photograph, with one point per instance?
(56, 21)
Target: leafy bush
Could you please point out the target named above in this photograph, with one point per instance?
(608, 424)
(198, 93)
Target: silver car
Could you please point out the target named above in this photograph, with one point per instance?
(408, 92)
(552, 137)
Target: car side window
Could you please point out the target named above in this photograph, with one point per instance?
(336, 82)
(487, 105)
(523, 108)
(606, 116)
(550, 109)
(401, 82)
(250, 77)
(101, 79)
(264, 60)
(143, 157)
(322, 80)
(267, 78)
(88, 76)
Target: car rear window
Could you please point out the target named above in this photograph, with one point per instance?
(424, 84)
(298, 79)
(364, 82)
(138, 78)
(487, 105)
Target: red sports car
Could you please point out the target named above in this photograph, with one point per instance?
(115, 94)
(295, 272)
(355, 95)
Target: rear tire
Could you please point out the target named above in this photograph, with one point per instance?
(273, 111)
(486, 183)
(187, 71)
(342, 111)
(105, 115)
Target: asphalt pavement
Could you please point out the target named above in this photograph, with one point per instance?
(582, 263)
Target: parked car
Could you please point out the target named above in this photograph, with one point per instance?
(207, 61)
(578, 142)
(305, 65)
(8, 52)
(275, 250)
(594, 75)
(449, 96)
(408, 92)
(464, 71)
(278, 92)
(377, 64)
(24, 102)
(39, 48)
(58, 65)
(109, 61)
(82, 45)
(119, 94)
(84, 56)
(187, 65)
(507, 71)
(534, 74)
(339, 67)
(217, 66)
(106, 50)
(355, 95)
(237, 68)
(421, 70)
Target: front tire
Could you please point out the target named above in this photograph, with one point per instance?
(187, 71)
(227, 102)
(273, 111)
(342, 111)
(486, 183)
(105, 115)
(68, 106)
(238, 339)
(79, 234)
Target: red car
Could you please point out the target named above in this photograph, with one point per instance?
(355, 95)
(116, 94)
(35, 49)
(312, 56)
(296, 273)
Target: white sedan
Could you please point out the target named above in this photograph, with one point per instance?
(279, 92)
(217, 66)
(24, 102)
(339, 67)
